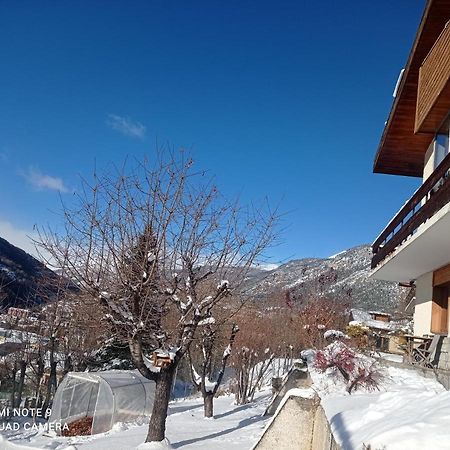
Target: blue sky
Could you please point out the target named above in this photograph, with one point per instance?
(283, 98)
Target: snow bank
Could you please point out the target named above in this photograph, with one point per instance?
(408, 411)
(7, 445)
(161, 445)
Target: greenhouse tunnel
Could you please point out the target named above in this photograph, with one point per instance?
(102, 399)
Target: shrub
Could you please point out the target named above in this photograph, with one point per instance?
(357, 370)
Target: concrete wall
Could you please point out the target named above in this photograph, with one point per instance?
(422, 307)
(434, 155)
(443, 355)
(300, 424)
(296, 378)
(323, 438)
(429, 161)
(292, 427)
(394, 345)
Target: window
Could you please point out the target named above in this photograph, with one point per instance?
(440, 149)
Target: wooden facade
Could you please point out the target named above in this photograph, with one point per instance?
(433, 97)
(439, 306)
(401, 150)
(441, 276)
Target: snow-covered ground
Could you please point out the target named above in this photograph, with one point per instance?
(408, 411)
(233, 428)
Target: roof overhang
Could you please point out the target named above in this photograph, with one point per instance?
(401, 151)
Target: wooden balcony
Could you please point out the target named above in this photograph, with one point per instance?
(433, 95)
(426, 201)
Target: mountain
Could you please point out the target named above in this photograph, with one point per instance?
(343, 276)
(20, 275)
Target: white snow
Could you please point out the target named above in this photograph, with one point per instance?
(149, 363)
(364, 318)
(335, 334)
(233, 428)
(336, 254)
(184, 306)
(296, 392)
(267, 266)
(161, 445)
(408, 411)
(209, 385)
(223, 285)
(207, 321)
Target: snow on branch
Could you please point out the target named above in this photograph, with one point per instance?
(335, 334)
(223, 285)
(207, 321)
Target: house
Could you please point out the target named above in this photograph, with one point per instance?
(383, 332)
(414, 248)
(18, 313)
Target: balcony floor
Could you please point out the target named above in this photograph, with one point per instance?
(425, 251)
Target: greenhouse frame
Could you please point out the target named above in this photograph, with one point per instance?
(105, 397)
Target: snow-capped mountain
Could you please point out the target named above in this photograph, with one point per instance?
(344, 276)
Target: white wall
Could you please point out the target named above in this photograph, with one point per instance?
(428, 167)
(422, 309)
(436, 152)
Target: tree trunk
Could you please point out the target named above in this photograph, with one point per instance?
(23, 369)
(208, 404)
(157, 425)
(40, 370)
(68, 366)
(14, 385)
(52, 381)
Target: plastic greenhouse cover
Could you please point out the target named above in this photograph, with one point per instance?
(119, 396)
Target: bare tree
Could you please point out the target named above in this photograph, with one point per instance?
(255, 350)
(210, 340)
(160, 249)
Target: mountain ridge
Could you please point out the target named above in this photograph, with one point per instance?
(20, 274)
(345, 275)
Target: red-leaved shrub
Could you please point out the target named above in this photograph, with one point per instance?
(356, 369)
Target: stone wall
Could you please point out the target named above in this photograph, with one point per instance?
(323, 438)
(298, 377)
(301, 424)
(443, 354)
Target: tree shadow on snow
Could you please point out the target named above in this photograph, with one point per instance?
(182, 408)
(235, 410)
(241, 424)
(339, 428)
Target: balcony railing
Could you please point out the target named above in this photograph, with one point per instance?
(426, 201)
